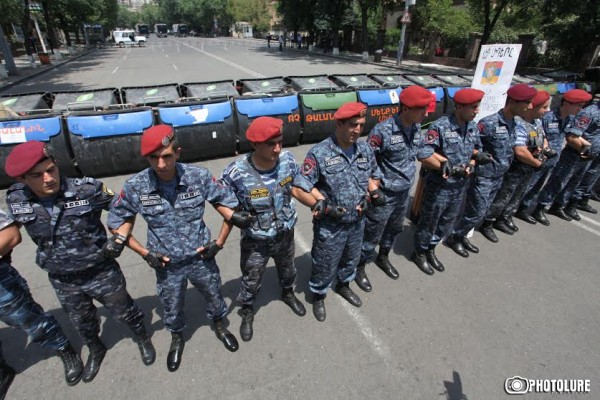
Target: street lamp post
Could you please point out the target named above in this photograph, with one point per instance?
(405, 21)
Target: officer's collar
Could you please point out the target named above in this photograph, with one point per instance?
(181, 174)
(401, 128)
(334, 145)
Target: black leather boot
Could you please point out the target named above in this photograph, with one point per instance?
(7, 374)
(95, 358)
(144, 343)
(420, 258)
(319, 307)
(433, 260)
(223, 334)
(488, 232)
(560, 213)
(247, 313)
(470, 246)
(289, 298)
(361, 279)
(571, 211)
(540, 215)
(455, 243)
(343, 289)
(72, 363)
(501, 225)
(383, 262)
(511, 224)
(524, 215)
(583, 205)
(175, 351)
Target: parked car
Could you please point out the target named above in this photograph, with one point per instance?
(128, 38)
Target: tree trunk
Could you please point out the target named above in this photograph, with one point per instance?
(27, 28)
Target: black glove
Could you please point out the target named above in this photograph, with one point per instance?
(242, 219)
(482, 158)
(377, 197)
(459, 171)
(586, 151)
(446, 168)
(154, 259)
(334, 211)
(114, 246)
(470, 169)
(210, 250)
(549, 153)
(319, 207)
(364, 204)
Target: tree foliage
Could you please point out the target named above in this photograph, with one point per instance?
(255, 12)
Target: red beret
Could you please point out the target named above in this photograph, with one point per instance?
(156, 137)
(521, 92)
(24, 157)
(263, 129)
(540, 98)
(416, 96)
(351, 110)
(577, 96)
(468, 96)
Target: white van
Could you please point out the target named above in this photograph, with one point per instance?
(128, 38)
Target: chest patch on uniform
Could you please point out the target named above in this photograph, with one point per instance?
(362, 160)
(21, 208)
(501, 129)
(76, 203)
(396, 139)
(189, 195)
(259, 193)
(150, 200)
(333, 161)
(285, 181)
(553, 125)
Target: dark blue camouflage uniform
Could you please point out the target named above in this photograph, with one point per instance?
(19, 310)
(176, 231)
(585, 189)
(497, 138)
(69, 243)
(266, 194)
(516, 179)
(571, 167)
(395, 149)
(554, 127)
(344, 182)
(442, 198)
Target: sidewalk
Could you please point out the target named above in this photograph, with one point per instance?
(25, 70)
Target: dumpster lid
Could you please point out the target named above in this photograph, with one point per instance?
(540, 78)
(211, 90)
(391, 80)
(27, 103)
(263, 85)
(522, 79)
(151, 95)
(562, 75)
(425, 80)
(327, 100)
(85, 99)
(454, 80)
(311, 83)
(357, 81)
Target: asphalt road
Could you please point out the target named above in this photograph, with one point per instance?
(526, 306)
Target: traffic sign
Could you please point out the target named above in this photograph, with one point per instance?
(405, 18)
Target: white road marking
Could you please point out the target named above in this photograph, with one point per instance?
(115, 70)
(175, 66)
(234, 65)
(589, 220)
(585, 227)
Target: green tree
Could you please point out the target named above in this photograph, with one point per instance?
(255, 12)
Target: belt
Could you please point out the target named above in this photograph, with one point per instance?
(80, 274)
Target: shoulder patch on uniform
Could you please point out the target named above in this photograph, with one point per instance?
(308, 165)
(375, 141)
(481, 126)
(21, 208)
(432, 136)
(582, 121)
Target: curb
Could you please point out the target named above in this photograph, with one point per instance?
(45, 70)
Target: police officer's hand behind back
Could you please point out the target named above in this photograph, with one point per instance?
(318, 209)
(334, 211)
(377, 197)
(242, 219)
(156, 260)
(210, 250)
(114, 246)
(446, 168)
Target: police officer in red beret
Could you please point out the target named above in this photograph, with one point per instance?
(497, 137)
(344, 171)
(264, 182)
(171, 196)
(395, 142)
(62, 217)
(449, 152)
(553, 123)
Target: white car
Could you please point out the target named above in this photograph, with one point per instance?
(128, 38)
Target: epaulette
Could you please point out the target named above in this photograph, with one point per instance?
(83, 181)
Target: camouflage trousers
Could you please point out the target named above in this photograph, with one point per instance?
(508, 198)
(78, 292)
(171, 284)
(335, 251)
(565, 178)
(19, 310)
(384, 223)
(585, 190)
(254, 257)
(480, 196)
